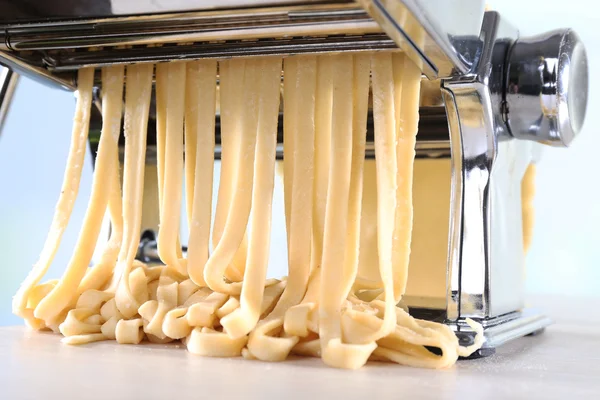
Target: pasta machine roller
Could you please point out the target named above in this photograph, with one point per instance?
(490, 99)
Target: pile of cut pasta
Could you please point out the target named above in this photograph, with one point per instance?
(217, 299)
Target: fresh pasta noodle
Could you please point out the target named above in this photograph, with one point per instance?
(200, 106)
(112, 102)
(240, 202)
(231, 74)
(137, 103)
(66, 201)
(265, 341)
(164, 74)
(172, 176)
(406, 128)
(241, 321)
(219, 302)
(323, 107)
(60, 296)
(335, 238)
(102, 273)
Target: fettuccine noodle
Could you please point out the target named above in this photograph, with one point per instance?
(218, 301)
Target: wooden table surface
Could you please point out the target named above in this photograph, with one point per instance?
(562, 363)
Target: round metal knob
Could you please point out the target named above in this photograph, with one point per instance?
(547, 88)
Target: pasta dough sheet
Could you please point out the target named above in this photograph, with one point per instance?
(429, 246)
(349, 223)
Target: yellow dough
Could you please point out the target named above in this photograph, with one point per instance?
(200, 105)
(429, 245)
(231, 75)
(527, 196)
(349, 223)
(169, 249)
(137, 103)
(241, 321)
(63, 293)
(66, 201)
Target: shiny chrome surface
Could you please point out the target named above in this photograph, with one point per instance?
(478, 142)
(37, 73)
(486, 256)
(13, 10)
(53, 49)
(547, 86)
(506, 283)
(441, 36)
(148, 248)
(474, 110)
(68, 61)
(453, 271)
(485, 262)
(501, 329)
(499, 36)
(189, 27)
(443, 44)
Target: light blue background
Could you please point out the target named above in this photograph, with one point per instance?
(564, 258)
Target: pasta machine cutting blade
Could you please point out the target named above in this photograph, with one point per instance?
(497, 97)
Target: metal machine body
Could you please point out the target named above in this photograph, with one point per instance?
(503, 95)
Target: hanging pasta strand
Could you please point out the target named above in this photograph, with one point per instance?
(199, 125)
(162, 100)
(192, 125)
(170, 213)
(323, 114)
(385, 143)
(261, 344)
(297, 318)
(241, 321)
(231, 76)
(407, 122)
(64, 292)
(66, 200)
(239, 211)
(301, 320)
(137, 103)
(334, 304)
(360, 110)
(112, 103)
(300, 237)
(333, 279)
(162, 76)
(290, 129)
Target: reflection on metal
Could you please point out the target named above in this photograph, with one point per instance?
(440, 36)
(148, 248)
(486, 113)
(548, 77)
(503, 328)
(32, 70)
(456, 209)
(443, 43)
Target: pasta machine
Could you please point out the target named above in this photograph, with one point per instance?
(490, 100)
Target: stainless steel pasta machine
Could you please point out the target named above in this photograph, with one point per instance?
(490, 99)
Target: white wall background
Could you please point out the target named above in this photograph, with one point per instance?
(564, 258)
